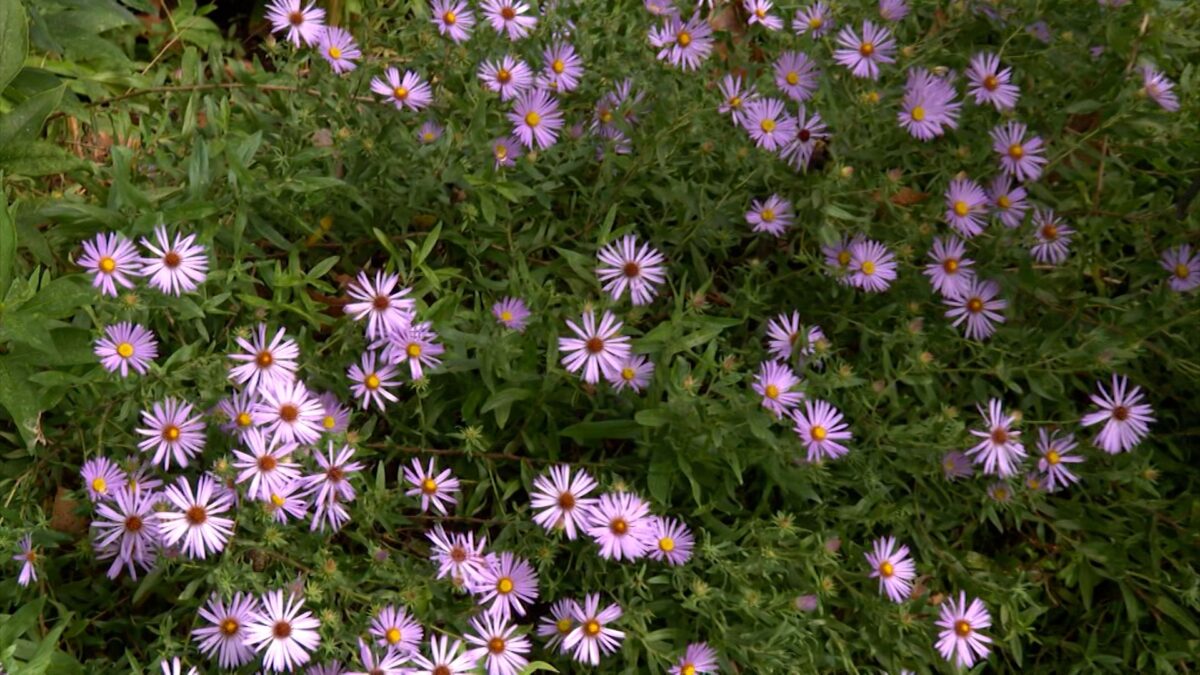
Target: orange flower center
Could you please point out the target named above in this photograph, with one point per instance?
(496, 645)
(288, 412)
(267, 463)
(1053, 458)
(392, 635)
(172, 259)
(107, 265)
(1016, 151)
(264, 359)
(1120, 413)
(428, 486)
(282, 630)
(975, 305)
(449, 18)
(592, 627)
(886, 569)
(133, 524)
(1049, 231)
(961, 208)
(504, 585)
(171, 433)
(818, 433)
(595, 345)
(196, 515)
(772, 392)
(619, 526)
(962, 628)
(990, 83)
(503, 75)
(684, 38)
(372, 382)
(950, 265)
(229, 626)
(558, 66)
(866, 49)
(400, 93)
(508, 13)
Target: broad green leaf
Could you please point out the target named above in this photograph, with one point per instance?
(17, 397)
(586, 431)
(8, 245)
(14, 40)
(24, 122)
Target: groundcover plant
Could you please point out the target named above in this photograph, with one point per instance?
(506, 336)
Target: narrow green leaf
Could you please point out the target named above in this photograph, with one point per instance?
(14, 40)
(8, 246)
(24, 122)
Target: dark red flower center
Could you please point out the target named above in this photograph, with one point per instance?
(595, 345)
(196, 515)
(804, 135)
(288, 412)
(133, 524)
(282, 630)
(172, 259)
(381, 302)
(1120, 413)
(267, 463)
(566, 501)
(631, 269)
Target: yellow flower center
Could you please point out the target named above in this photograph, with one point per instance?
(735, 102)
(684, 38)
(1182, 271)
(843, 258)
(950, 265)
(627, 374)
(818, 433)
(372, 382)
(592, 627)
(866, 49)
(400, 93)
(792, 78)
(961, 208)
(688, 669)
(1003, 201)
(918, 114)
(503, 75)
(1016, 151)
(505, 585)
(392, 635)
(767, 125)
(496, 645)
(243, 419)
(107, 265)
(1049, 232)
(428, 486)
(276, 500)
(564, 625)
(501, 152)
(1053, 457)
(961, 626)
(760, 13)
(886, 569)
(975, 305)
(427, 136)
(813, 23)
(506, 315)
(335, 53)
(532, 118)
(873, 97)
(868, 267)
(990, 83)
(229, 626)
(449, 18)
(413, 350)
(558, 66)
(99, 485)
(619, 526)
(171, 433)
(329, 422)
(772, 392)
(666, 544)
(125, 350)
(768, 215)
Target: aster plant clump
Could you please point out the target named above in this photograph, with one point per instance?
(683, 336)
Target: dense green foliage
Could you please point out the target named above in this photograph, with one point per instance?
(121, 115)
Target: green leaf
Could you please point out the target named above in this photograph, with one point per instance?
(45, 651)
(17, 397)
(8, 246)
(14, 40)
(1174, 611)
(25, 121)
(585, 431)
(538, 666)
(426, 246)
(37, 158)
(20, 622)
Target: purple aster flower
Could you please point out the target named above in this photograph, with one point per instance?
(102, 478)
(371, 383)
(787, 338)
(928, 107)
(774, 383)
(959, 640)
(445, 658)
(303, 24)
(966, 207)
(384, 307)
(28, 557)
(1041, 31)
(268, 464)
(999, 492)
(635, 373)
(978, 307)
(172, 432)
(698, 659)
(511, 313)
(1057, 451)
(290, 412)
(536, 118)
(1008, 201)
(956, 465)
(177, 266)
(893, 10)
(769, 125)
(506, 151)
(508, 16)
(872, 266)
(796, 75)
(950, 272)
(592, 636)
(837, 257)
(140, 479)
(339, 49)
(863, 56)
(193, 517)
(1184, 267)
(225, 631)
(1053, 237)
(562, 68)
(434, 488)
(391, 663)
(992, 83)
(1158, 88)
(759, 12)
(625, 265)
(429, 131)
(1126, 418)
(772, 215)
(893, 567)
(815, 19)
(509, 586)
(126, 345)
(668, 539)
(265, 364)
(288, 501)
(820, 427)
(508, 77)
(128, 524)
(595, 348)
(335, 417)
(618, 524)
(454, 19)
(237, 411)
(415, 344)
(810, 130)
(999, 452)
(331, 483)
(561, 500)
(1020, 158)
(175, 667)
(496, 642)
(282, 633)
(685, 44)
(407, 91)
(559, 623)
(112, 260)
(734, 97)
(332, 668)
(458, 556)
(396, 630)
